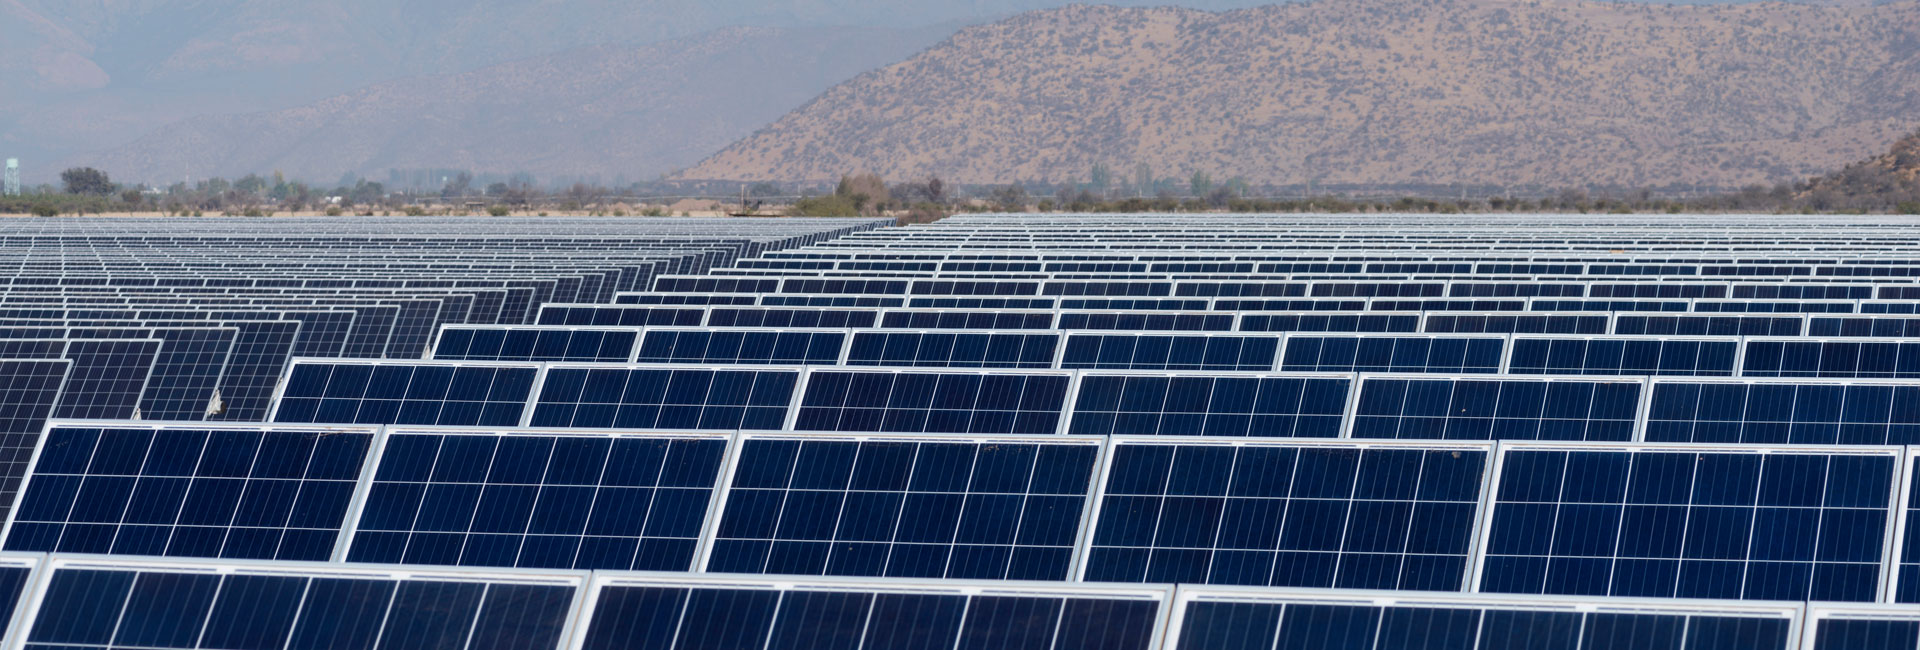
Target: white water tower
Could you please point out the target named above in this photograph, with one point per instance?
(10, 186)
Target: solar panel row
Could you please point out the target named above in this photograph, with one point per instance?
(1321, 405)
(1689, 521)
(94, 603)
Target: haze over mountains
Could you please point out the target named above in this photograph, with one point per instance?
(634, 112)
(1555, 93)
(83, 75)
(1337, 90)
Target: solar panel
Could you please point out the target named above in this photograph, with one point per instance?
(1170, 352)
(1239, 618)
(259, 354)
(1831, 358)
(416, 393)
(538, 499)
(932, 402)
(765, 347)
(1449, 354)
(1382, 515)
(1692, 521)
(580, 315)
(787, 318)
(1622, 356)
(1860, 627)
(1784, 411)
(187, 491)
(29, 388)
(972, 320)
(16, 580)
(952, 350)
(1521, 323)
(1710, 325)
(107, 378)
(89, 603)
(664, 398)
(472, 343)
(925, 507)
(671, 613)
(1496, 409)
(1874, 326)
(1906, 568)
(1312, 322)
(1213, 405)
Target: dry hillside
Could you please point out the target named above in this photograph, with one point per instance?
(1887, 181)
(1545, 92)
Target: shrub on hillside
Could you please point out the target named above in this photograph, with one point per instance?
(824, 206)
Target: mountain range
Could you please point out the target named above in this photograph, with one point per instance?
(85, 75)
(1517, 92)
(1333, 91)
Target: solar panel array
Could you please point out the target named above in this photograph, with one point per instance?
(994, 431)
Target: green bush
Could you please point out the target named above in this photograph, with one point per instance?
(824, 206)
(1910, 207)
(498, 210)
(333, 211)
(416, 211)
(45, 210)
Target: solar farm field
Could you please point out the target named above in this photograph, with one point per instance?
(998, 431)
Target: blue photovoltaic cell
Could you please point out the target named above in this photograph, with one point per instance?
(992, 509)
(952, 350)
(1259, 621)
(1516, 324)
(523, 344)
(1907, 572)
(967, 320)
(187, 607)
(14, 576)
(1295, 515)
(1843, 359)
(1330, 323)
(622, 316)
(1784, 413)
(1877, 327)
(1496, 409)
(776, 317)
(1890, 629)
(1146, 322)
(662, 398)
(1308, 407)
(260, 354)
(186, 373)
(927, 402)
(662, 615)
(1708, 325)
(107, 379)
(1537, 356)
(275, 494)
(742, 347)
(1392, 354)
(1170, 352)
(396, 393)
(1689, 523)
(538, 501)
(29, 388)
